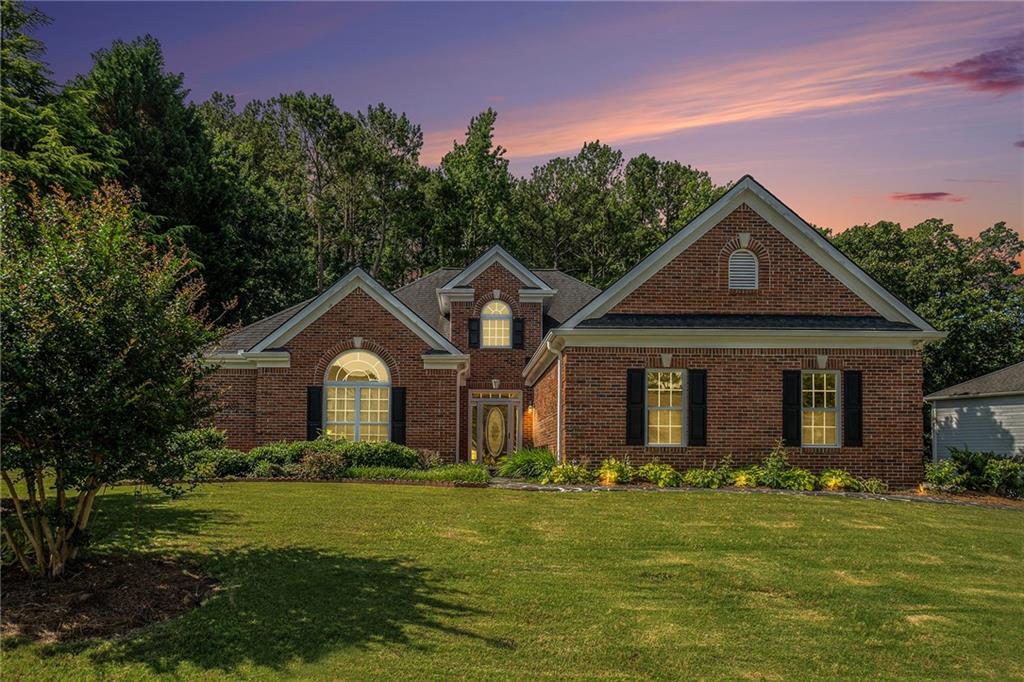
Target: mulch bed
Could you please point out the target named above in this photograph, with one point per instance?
(100, 596)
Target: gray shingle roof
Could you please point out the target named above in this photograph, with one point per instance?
(1006, 380)
(421, 297)
(824, 322)
(251, 334)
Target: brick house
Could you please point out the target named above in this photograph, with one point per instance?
(745, 328)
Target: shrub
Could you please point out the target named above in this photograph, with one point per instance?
(527, 463)
(774, 470)
(798, 479)
(224, 462)
(837, 479)
(614, 472)
(715, 477)
(971, 465)
(1004, 476)
(267, 469)
(749, 477)
(944, 475)
(184, 443)
(429, 459)
(322, 465)
(567, 474)
(456, 473)
(277, 454)
(871, 485)
(661, 475)
(382, 454)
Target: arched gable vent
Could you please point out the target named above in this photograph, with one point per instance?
(742, 269)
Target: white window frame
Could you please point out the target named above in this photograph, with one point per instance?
(493, 316)
(757, 271)
(838, 408)
(358, 387)
(683, 424)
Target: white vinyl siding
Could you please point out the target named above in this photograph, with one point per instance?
(993, 424)
(742, 270)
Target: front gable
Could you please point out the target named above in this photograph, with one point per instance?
(789, 281)
(804, 273)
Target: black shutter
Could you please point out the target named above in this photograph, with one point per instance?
(635, 399)
(517, 332)
(791, 407)
(697, 380)
(398, 415)
(314, 411)
(853, 409)
(474, 332)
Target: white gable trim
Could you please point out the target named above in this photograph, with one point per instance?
(496, 254)
(356, 279)
(810, 241)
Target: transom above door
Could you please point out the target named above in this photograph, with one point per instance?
(495, 425)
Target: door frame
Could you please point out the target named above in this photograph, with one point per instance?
(477, 399)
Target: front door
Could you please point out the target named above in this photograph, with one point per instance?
(494, 425)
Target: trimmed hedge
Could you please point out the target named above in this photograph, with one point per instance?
(453, 473)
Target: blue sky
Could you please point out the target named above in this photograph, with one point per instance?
(850, 112)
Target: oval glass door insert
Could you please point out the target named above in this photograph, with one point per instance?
(494, 430)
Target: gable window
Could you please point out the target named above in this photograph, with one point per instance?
(819, 408)
(496, 325)
(665, 407)
(742, 269)
(357, 397)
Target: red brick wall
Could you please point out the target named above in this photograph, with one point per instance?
(504, 364)
(278, 395)
(790, 282)
(745, 408)
(545, 403)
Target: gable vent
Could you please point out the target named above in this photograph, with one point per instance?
(742, 270)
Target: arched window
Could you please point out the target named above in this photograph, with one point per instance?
(496, 324)
(357, 393)
(742, 269)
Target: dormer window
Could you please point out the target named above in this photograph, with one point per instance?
(496, 325)
(742, 269)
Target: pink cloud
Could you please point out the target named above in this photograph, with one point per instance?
(865, 69)
(926, 196)
(999, 71)
(1019, 143)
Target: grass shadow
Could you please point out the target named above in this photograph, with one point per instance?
(279, 606)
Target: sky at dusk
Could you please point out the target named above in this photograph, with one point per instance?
(849, 112)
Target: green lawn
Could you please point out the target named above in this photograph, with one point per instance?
(321, 581)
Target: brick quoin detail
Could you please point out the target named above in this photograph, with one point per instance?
(795, 284)
(745, 408)
(269, 404)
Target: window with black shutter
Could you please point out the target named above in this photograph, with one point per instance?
(635, 392)
(517, 332)
(853, 408)
(791, 407)
(697, 392)
(474, 332)
(398, 415)
(314, 411)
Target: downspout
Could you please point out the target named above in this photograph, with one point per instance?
(558, 402)
(459, 374)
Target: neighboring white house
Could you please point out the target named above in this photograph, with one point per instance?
(984, 414)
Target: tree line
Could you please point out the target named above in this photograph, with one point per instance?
(276, 199)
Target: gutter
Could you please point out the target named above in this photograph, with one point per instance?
(558, 401)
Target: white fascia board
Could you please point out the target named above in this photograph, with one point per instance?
(356, 279)
(432, 361)
(790, 225)
(535, 295)
(1001, 394)
(724, 338)
(496, 254)
(446, 296)
(249, 359)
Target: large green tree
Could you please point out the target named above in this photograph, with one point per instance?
(970, 288)
(48, 136)
(100, 364)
